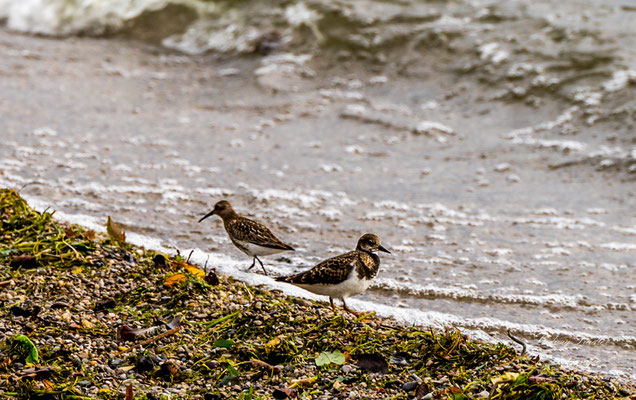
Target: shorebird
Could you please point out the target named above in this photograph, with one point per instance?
(342, 276)
(251, 237)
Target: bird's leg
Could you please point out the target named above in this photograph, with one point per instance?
(333, 307)
(347, 309)
(253, 263)
(262, 266)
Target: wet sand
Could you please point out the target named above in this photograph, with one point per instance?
(493, 224)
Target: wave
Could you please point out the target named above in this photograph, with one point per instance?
(550, 301)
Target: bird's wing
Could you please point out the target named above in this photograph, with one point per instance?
(329, 272)
(247, 230)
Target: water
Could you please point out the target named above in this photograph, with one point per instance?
(490, 146)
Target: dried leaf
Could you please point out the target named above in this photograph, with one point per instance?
(176, 322)
(174, 280)
(23, 261)
(125, 368)
(211, 278)
(48, 384)
(264, 366)
(115, 231)
(373, 362)
(128, 334)
(304, 382)
(284, 393)
(199, 273)
(20, 312)
(159, 261)
(104, 304)
(87, 324)
(422, 390)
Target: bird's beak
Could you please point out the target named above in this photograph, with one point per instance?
(207, 215)
(383, 249)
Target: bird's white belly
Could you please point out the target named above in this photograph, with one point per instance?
(347, 288)
(256, 250)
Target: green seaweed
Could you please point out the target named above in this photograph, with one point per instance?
(22, 345)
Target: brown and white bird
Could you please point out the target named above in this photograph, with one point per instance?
(251, 237)
(342, 276)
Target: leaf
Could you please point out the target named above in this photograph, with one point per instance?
(199, 273)
(327, 358)
(77, 270)
(174, 280)
(373, 362)
(27, 347)
(232, 370)
(115, 231)
(176, 322)
(128, 334)
(25, 261)
(48, 384)
(224, 343)
(507, 377)
(304, 382)
(262, 365)
(283, 393)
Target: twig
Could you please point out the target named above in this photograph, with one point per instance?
(5, 283)
(249, 293)
(160, 336)
(190, 255)
(514, 339)
(493, 389)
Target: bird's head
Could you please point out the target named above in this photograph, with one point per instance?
(222, 209)
(370, 243)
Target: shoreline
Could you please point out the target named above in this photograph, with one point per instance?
(229, 266)
(232, 340)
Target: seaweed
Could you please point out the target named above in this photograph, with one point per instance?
(70, 293)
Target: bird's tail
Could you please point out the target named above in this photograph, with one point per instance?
(282, 278)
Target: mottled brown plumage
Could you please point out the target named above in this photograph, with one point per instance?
(344, 275)
(249, 236)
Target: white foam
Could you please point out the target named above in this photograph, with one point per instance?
(431, 127)
(619, 246)
(493, 52)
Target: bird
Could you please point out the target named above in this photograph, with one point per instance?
(342, 276)
(251, 237)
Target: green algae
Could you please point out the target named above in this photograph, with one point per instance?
(235, 341)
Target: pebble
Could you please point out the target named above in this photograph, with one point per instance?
(410, 386)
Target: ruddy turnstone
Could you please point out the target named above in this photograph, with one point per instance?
(251, 237)
(342, 276)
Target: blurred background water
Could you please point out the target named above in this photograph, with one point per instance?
(490, 144)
